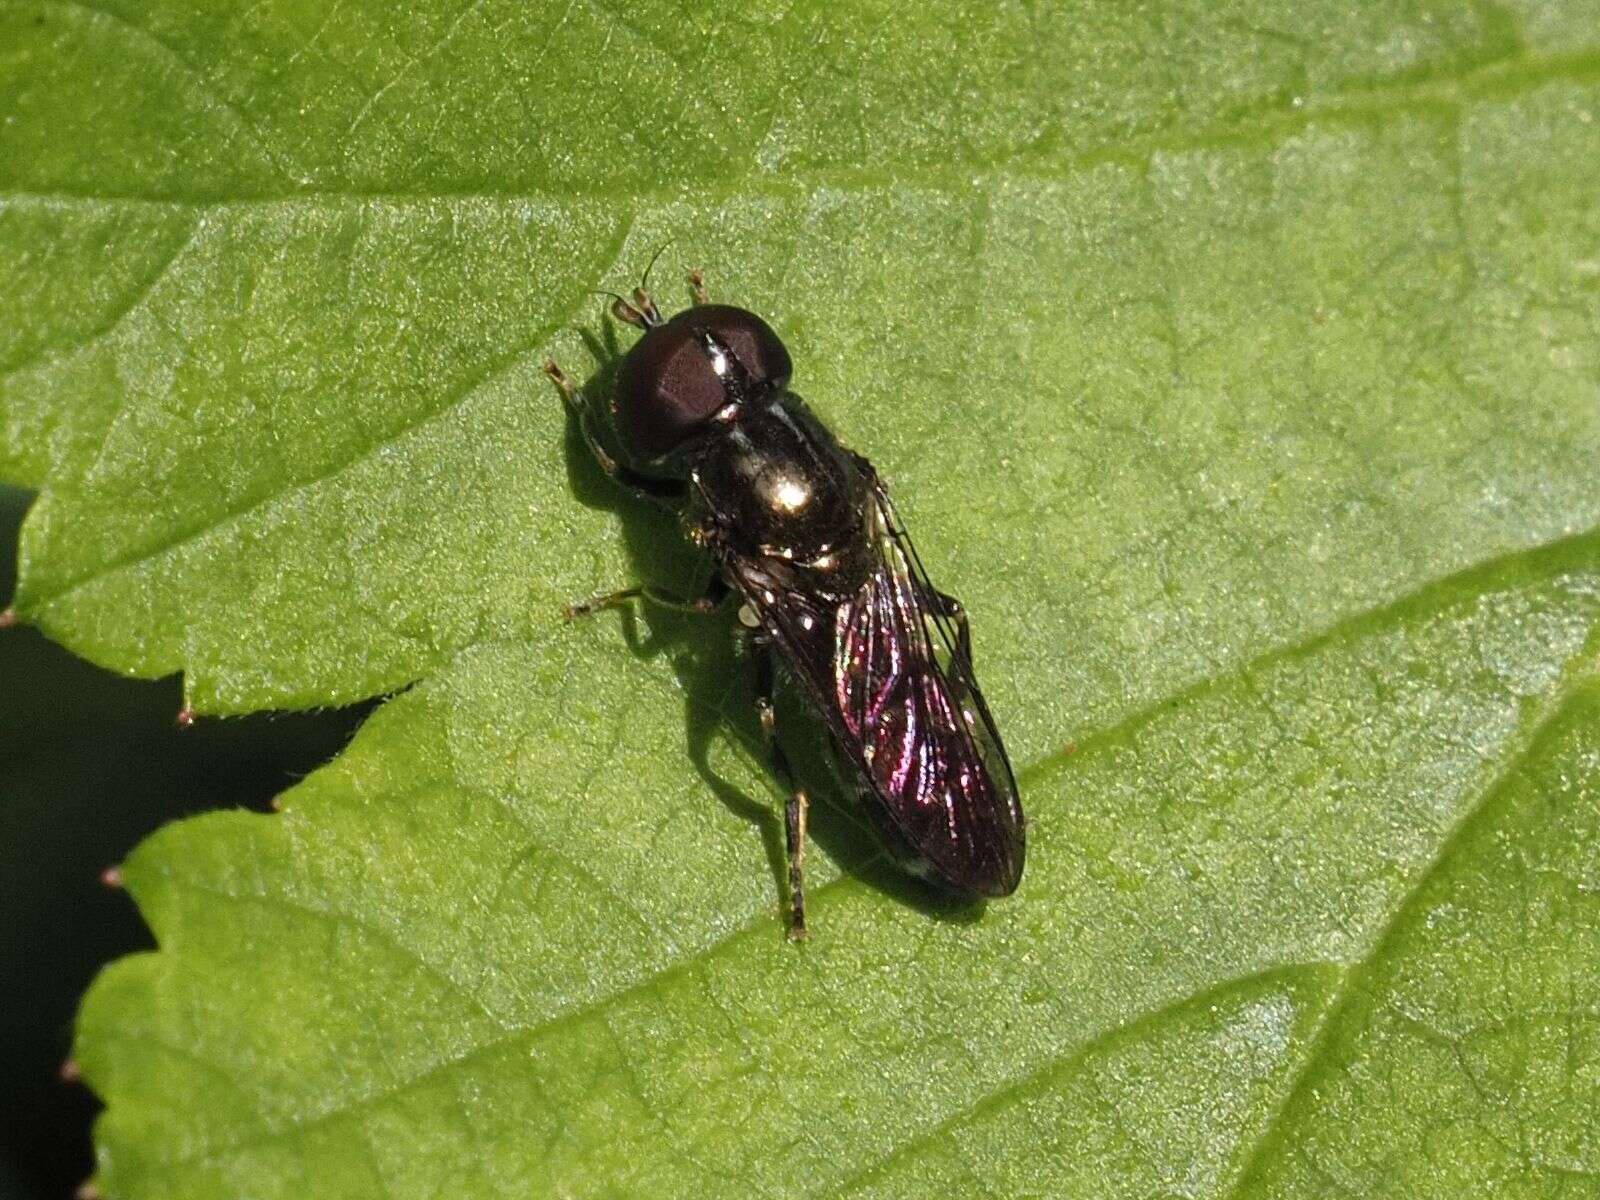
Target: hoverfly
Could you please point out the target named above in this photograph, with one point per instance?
(804, 534)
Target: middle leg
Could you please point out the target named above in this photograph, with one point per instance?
(704, 604)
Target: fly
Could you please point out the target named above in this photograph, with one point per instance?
(802, 531)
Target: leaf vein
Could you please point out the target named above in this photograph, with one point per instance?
(209, 91)
(1047, 1073)
(1478, 578)
(114, 318)
(1349, 988)
(449, 403)
(1267, 125)
(336, 918)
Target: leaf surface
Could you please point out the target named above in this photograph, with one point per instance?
(1236, 365)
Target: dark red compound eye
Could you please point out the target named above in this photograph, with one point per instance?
(757, 349)
(671, 382)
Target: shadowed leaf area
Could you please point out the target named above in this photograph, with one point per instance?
(89, 764)
(1238, 365)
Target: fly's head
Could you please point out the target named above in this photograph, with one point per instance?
(686, 373)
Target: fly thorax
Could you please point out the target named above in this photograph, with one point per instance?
(775, 487)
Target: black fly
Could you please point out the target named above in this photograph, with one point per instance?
(803, 531)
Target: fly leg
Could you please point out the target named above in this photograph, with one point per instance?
(794, 812)
(952, 609)
(716, 591)
(666, 490)
(697, 287)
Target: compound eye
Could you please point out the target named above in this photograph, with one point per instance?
(666, 387)
(752, 341)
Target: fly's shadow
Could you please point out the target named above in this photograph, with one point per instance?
(713, 666)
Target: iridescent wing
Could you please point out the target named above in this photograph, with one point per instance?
(901, 699)
(905, 689)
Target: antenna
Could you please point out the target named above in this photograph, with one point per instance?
(645, 282)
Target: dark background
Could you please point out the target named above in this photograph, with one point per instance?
(91, 763)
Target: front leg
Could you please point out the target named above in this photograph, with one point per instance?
(664, 490)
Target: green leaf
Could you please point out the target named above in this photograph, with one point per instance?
(1238, 366)
(89, 764)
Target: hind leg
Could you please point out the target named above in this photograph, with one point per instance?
(794, 811)
(952, 609)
